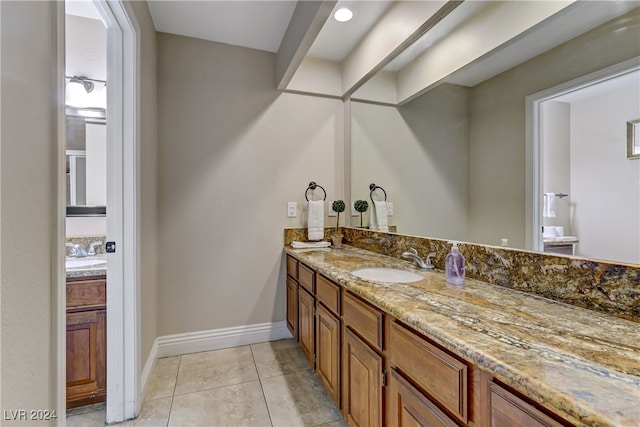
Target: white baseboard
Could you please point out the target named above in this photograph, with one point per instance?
(215, 339)
(149, 365)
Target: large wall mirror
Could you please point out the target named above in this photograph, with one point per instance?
(86, 159)
(478, 156)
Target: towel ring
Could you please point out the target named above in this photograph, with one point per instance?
(373, 188)
(313, 186)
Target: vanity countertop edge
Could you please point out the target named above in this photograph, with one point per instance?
(581, 364)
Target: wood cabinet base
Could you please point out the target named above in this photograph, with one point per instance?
(86, 343)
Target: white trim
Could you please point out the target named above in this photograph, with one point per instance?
(533, 208)
(123, 325)
(148, 369)
(215, 339)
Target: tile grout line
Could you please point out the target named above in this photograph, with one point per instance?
(173, 394)
(261, 387)
(213, 388)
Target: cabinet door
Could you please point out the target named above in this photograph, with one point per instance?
(410, 408)
(292, 307)
(328, 351)
(86, 357)
(361, 382)
(305, 324)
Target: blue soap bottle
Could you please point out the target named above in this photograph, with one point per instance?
(454, 266)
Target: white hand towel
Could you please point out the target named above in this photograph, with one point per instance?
(308, 245)
(315, 222)
(378, 220)
(549, 205)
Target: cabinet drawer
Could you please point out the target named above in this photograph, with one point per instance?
(409, 407)
(292, 267)
(92, 292)
(305, 278)
(508, 410)
(441, 375)
(363, 319)
(328, 293)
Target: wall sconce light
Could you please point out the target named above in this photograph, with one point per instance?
(84, 81)
(79, 93)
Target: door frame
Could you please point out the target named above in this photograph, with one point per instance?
(533, 156)
(124, 399)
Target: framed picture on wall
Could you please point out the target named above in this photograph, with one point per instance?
(633, 139)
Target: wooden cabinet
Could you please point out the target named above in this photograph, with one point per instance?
(366, 320)
(408, 407)
(363, 364)
(292, 307)
(441, 375)
(86, 341)
(328, 351)
(509, 410)
(306, 325)
(362, 381)
(306, 278)
(350, 343)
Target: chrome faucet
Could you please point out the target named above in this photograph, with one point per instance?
(424, 264)
(77, 251)
(92, 247)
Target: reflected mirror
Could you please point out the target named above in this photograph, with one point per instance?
(86, 161)
(478, 156)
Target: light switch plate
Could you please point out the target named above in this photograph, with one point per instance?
(354, 212)
(389, 208)
(292, 209)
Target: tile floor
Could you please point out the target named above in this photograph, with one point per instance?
(267, 384)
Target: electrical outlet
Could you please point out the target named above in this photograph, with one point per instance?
(389, 208)
(292, 209)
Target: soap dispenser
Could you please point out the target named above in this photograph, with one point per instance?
(454, 266)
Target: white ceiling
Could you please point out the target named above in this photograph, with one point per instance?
(83, 8)
(337, 39)
(254, 24)
(262, 24)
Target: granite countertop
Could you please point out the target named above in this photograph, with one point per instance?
(582, 365)
(86, 266)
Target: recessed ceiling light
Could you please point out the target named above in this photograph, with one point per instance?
(343, 15)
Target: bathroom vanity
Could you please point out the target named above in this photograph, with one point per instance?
(86, 335)
(432, 354)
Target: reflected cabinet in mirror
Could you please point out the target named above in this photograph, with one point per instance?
(527, 142)
(86, 158)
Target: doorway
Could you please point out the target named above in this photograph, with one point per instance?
(122, 336)
(586, 193)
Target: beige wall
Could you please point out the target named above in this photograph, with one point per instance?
(28, 205)
(419, 154)
(497, 111)
(605, 202)
(232, 152)
(148, 196)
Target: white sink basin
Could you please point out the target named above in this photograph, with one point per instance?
(392, 275)
(79, 263)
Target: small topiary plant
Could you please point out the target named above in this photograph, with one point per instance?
(361, 206)
(338, 206)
